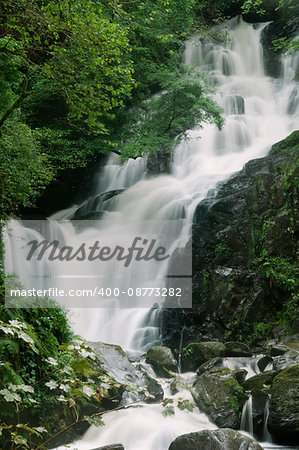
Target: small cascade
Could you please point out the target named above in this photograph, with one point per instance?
(246, 419)
(266, 435)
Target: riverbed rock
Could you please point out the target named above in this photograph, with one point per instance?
(224, 439)
(259, 400)
(115, 362)
(210, 364)
(162, 360)
(240, 375)
(197, 353)
(263, 362)
(283, 420)
(218, 394)
(234, 348)
(288, 359)
(261, 381)
(154, 389)
(278, 350)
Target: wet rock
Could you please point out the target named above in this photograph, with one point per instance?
(111, 447)
(197, 353)
(278, 350)
(215, 362)
(219, 395)
(94, 207)
(263, 362)
(236, 349)
(240, 375)
(283, 419)
(153, 388)
(230, 290)
(261, 381)
(259, 400)
(224, 439)
(162, 360)
(115, 363)
(289, 359)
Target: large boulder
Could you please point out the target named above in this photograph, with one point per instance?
(218, 394)
(162, 360)
(225, 439)
(197, 353)
(283, 420)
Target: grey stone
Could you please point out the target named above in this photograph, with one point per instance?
(224, 439)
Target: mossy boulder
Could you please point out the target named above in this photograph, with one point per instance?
(283, 419)
(236, 349)
(214, 440)
(260, 382)
(197, 353)
(162, 359)
(218, 394)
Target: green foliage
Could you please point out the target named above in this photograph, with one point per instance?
(44, 372)
(221, 251)
(24, 170)
(183, 103)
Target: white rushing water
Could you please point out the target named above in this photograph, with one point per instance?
(259, 111)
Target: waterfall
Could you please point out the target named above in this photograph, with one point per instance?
(266, 435)
(259, 111)
(246, 419)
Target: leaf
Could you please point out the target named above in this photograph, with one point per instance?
(168, 411)
(51, 384)
(10, 396)
(52, 361)
(96, 421)
(88, 391)
(25, 388)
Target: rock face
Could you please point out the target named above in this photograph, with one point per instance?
(197, 353)
(218, 394)
(244, 245)
(161, 358)
(283, 420)
(224, 439)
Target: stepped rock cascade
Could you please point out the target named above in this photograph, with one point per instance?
(259, 111)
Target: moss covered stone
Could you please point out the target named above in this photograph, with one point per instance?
(218, 394)
(284, 405)
(197, 353)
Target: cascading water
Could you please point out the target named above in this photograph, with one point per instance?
(246, 420)
(259, 112)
